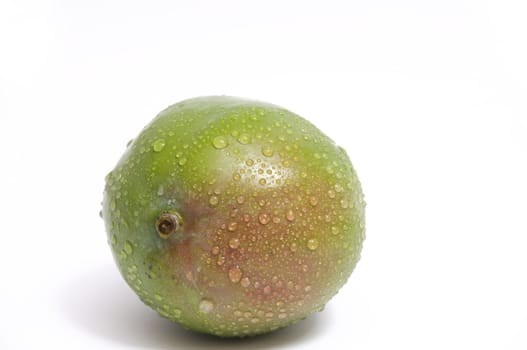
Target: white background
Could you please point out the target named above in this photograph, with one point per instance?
(428, 97)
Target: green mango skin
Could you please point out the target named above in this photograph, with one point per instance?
(272, 216)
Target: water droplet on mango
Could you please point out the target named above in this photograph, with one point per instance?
(244, 139)
(245, 282)
(213, 200)
(264, 218)
(234, 243)
(267, 151)
(158, 145)
(219, 142)
(312, 244)
(128, 248)
(235, 274)
(206, 306)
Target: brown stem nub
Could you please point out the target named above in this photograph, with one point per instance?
(167, 223)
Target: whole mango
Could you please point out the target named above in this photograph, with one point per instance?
(234, 217)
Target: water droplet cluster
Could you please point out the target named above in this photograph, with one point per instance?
(272, 216)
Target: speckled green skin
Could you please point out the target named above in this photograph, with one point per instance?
(273, 216)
